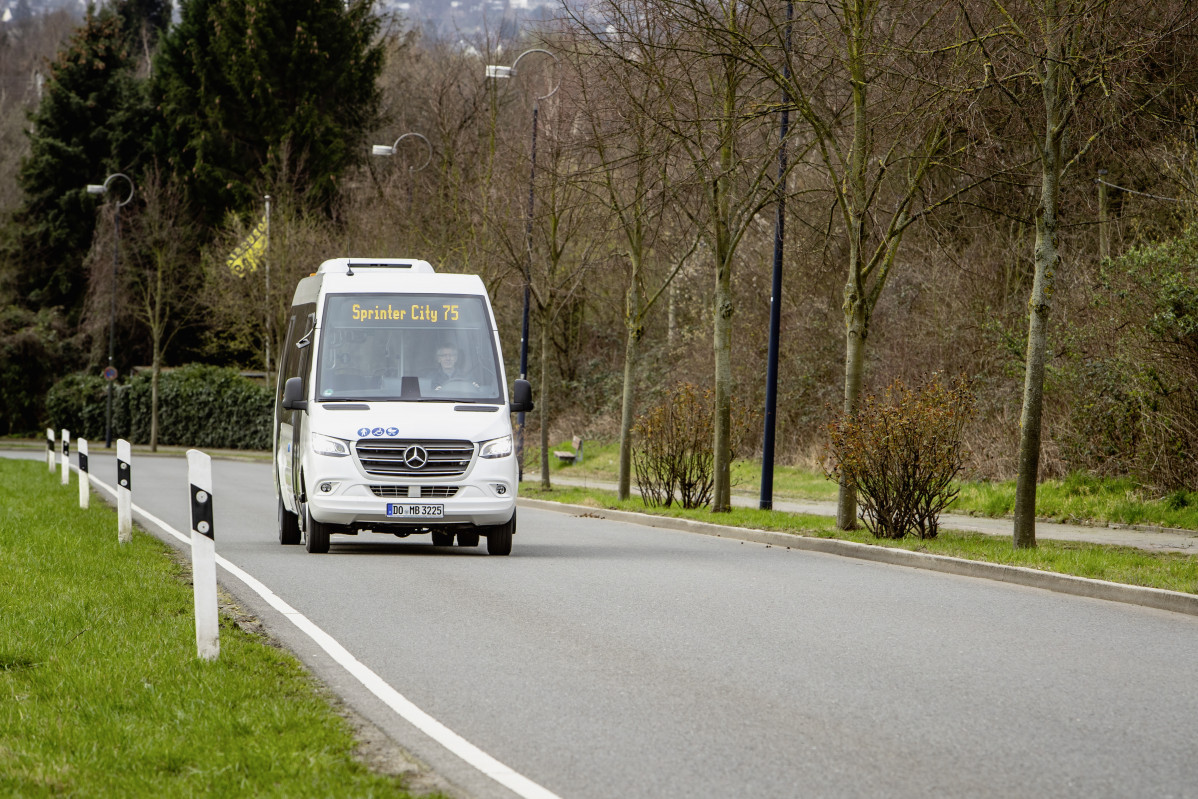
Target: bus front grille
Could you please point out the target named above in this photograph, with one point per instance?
(393, 457)
(418, 491)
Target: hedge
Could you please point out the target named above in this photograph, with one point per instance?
(198, 406)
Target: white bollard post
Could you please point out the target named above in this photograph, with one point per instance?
(50, 449)
(66, 457)
(124, 491)
(203, 554)
(84, 479)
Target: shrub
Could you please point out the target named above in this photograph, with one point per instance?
(902, 453)
(198, 406)
(1136, 406)
(78, 403)
(34, 349)
(673, 453)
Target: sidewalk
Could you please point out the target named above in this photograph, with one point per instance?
(1155, 540)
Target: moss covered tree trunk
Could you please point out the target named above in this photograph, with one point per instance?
(721, 497)
(157, 333)
(721, 493)
(1048, 260)
(543, 404)
(633, 332)
(856, 328)
(856, 306)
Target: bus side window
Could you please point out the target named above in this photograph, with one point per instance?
(289, 359)
(303, 355)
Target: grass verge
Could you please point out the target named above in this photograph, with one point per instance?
(1080, 497)
(1170, 571)
(101, 692)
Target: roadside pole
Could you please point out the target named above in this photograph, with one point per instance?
(66, 457)
(84, 480)
(203, 554)
(124, 491)
(50, 449)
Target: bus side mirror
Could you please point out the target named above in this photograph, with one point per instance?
(293, 395)
(521, 397)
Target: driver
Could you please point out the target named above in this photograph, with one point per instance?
(447, 369)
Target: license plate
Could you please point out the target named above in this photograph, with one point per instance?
(409, 510)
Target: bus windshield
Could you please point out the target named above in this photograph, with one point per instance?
(407, 347)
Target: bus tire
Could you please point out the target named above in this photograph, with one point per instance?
(499, 537)
(289, 530)
(316, 534)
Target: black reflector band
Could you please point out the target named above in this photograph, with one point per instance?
(82, 462)
(124, 475)
(201, 512)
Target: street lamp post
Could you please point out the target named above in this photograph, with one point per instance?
(392, 149)
(501, 72)
(110, 372)
(766, 500)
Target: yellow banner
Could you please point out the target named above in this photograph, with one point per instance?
(246, 257)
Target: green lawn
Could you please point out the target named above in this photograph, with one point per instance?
(1079, 497)
(1170, 571)
(101, 692)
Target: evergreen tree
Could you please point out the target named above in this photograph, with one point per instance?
(145, 20)
(84, 128)
(255, 92)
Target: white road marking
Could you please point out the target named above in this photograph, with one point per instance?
(504, 775)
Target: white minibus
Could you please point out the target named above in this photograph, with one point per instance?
(392, 414)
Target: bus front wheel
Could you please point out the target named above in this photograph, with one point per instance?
(316, 534)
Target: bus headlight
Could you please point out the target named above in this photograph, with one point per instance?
(496, 448)
(327, 445)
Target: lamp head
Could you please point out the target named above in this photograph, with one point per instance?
(494, 71)
(382, 149)
(95, 188)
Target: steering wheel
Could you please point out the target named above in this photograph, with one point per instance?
(458, 385)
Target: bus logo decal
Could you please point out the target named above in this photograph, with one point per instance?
(415, 457)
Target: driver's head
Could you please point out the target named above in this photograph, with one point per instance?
(447, 356)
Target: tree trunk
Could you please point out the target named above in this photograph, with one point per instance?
(856, 305)
(856, 328)
(1047, 262)
(1031, 420)
(154, 400)
(543, 405)
(721, 491)
(721, 496)
(631, 346)
(672, 318)
(156, 333)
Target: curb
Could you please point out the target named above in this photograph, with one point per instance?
(1158, 598)
(1090, 523)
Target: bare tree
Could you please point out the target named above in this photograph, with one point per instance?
(716, 108)
(162, 275)
(439, 89)
(875, 84)
(1070, 71)
(630, 158)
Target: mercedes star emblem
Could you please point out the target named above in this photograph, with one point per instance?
(415, 457)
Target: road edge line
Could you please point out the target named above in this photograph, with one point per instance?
(1157, 598)
(371, 681)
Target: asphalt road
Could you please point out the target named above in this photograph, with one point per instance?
(605, 659)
